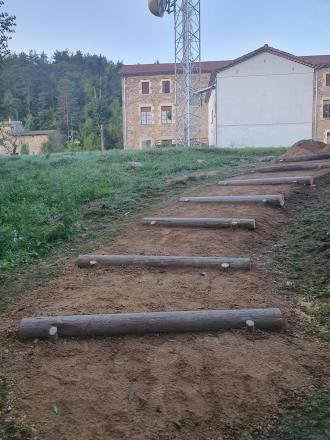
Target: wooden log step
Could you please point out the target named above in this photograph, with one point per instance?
(155, 322)
(194, 222)
(292, 167)
(299, 180)
(90, 261)
(323, 156)
(274, 200)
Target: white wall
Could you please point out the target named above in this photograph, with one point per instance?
(266, 101)
(212, 118)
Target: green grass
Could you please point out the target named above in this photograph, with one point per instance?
(303, 259)
(10, 430)
(310, 421)
(48, 201)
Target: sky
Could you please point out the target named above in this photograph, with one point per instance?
(124, 30)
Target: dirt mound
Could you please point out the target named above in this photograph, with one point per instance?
(306, 147)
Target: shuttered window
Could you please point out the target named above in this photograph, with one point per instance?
(145, 115)
(145, 87)
(167, 142)
(166, 114)
(326, 109)
(166, 86)
(327, 79)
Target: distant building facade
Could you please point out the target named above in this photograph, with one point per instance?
(265, 98)
(149, 104)
(322, 104)
(32, 140)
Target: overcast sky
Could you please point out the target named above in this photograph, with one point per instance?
(125, 30)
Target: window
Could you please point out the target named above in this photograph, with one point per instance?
(145, 115)
(146, 144)
(166, 142)
(326, 109)
(145, 87)
(327, 79)
(166, 115)
(166, 86)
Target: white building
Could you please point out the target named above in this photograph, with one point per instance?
(263, 99)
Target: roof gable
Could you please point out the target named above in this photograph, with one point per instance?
(271, 50)
(215, 66)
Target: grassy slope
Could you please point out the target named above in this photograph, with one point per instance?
(48, 202)
(303, 260)
(69, 202)
(303, 257)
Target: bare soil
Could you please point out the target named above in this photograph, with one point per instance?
(306, 147)
(190, 386)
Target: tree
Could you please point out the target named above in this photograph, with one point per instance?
(8, 141)
(67, 107)
(7, 22)
(77, 94)
(114, 132)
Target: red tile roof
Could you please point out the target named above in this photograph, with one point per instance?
(168, 68)
(214, 66)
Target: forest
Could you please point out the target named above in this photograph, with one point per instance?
(77, 94)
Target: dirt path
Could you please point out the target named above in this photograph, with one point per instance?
(189, 386)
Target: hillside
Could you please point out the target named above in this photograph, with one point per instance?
(179, 386)
(47, 201)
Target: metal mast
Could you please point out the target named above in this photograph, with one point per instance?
(187, 27)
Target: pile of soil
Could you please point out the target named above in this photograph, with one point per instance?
(307, 147)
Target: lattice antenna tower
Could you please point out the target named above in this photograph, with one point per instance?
(187, 31)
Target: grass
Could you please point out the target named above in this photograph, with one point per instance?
(303, 259)
(310, 421)
(10, 430)
(47, 202)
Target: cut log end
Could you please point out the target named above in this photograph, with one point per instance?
(53, 333)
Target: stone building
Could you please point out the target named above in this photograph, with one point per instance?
(303, 111)
(33, 140)
(322, 104)
(148, 104)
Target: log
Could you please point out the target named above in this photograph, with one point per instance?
(292, 167)
(305, 158)
(275, 200)
(155, 322)
(88, 261)
(195, 222)
(301, 180)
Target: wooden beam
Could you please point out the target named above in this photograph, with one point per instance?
(323, 156)
(194, 222)
(89, 261)
(275, 200)
(154, 322)
(298, 180)
(292, 167)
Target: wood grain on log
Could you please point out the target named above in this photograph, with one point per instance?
(299, 180)
(155, 322)
(305, 158)
(200, 222)
(292, 167)
(88, 261)
(275, 200)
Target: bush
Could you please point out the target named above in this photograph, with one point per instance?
(25, 149)
(54, 144)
